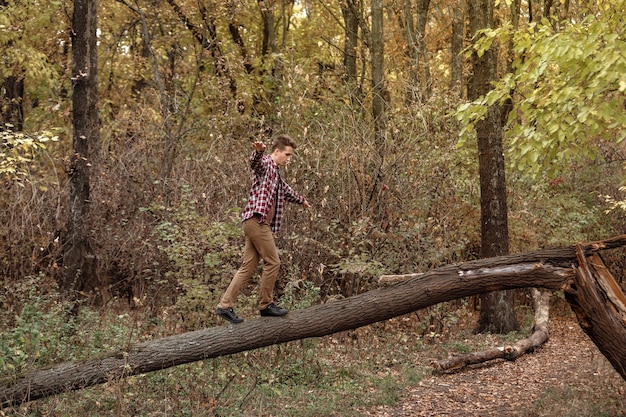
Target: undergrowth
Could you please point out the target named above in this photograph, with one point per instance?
(344, 374)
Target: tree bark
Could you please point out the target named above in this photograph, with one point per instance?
(79, 275)
(496, 309)
(456, 46)
(379, 91)
(551, 269)
(600, 307)
(349, 12)
(235, 34)
(12, 101)
(12, 107)
(419, 85)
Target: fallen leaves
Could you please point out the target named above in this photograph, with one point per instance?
(566, 374)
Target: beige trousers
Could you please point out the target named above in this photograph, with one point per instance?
(259, 245)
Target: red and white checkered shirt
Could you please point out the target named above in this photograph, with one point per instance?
(268, 187)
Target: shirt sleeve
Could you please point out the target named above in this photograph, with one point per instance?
(256, 162)
(291, 195)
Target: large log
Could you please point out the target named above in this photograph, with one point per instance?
(600, 307)
(549, 269)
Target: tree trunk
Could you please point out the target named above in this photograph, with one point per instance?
(271, 80)
(379, 92)
(600, 307)
(12, 103)
(235, 34)
(496, 309)
(549, 269)
(350, 313)
(419, 85)
(79, 275)
(268, 45)
(351, 21)
(456, 46)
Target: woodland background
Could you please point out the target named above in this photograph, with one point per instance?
(185, 87)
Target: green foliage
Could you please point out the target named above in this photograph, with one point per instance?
(18, 150)
(550, 219)
(567, 90)
(201, 253)
(33, 35)
(21, 25)
(29, 344)
(43, 330)
(356, 267)
(300, 294)
(615, 204)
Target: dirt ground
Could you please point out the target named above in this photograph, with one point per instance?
(567, 376)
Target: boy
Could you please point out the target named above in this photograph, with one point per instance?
(261, 218)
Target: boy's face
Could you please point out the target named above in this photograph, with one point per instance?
(282, 157)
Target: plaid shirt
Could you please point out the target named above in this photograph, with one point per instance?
(268, 187)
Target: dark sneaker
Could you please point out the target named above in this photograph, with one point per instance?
(228, 314)
(273, 310)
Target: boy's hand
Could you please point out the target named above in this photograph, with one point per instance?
(258, 146)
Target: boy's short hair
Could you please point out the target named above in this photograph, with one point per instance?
(282, 141)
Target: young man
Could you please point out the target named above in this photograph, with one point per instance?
(261, 218)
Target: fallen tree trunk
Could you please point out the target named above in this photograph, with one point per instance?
(600, 307)
(350, 313)
(549, 269)
(565, 257)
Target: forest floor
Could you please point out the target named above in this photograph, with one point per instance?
(381, 370)
(567, 376)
